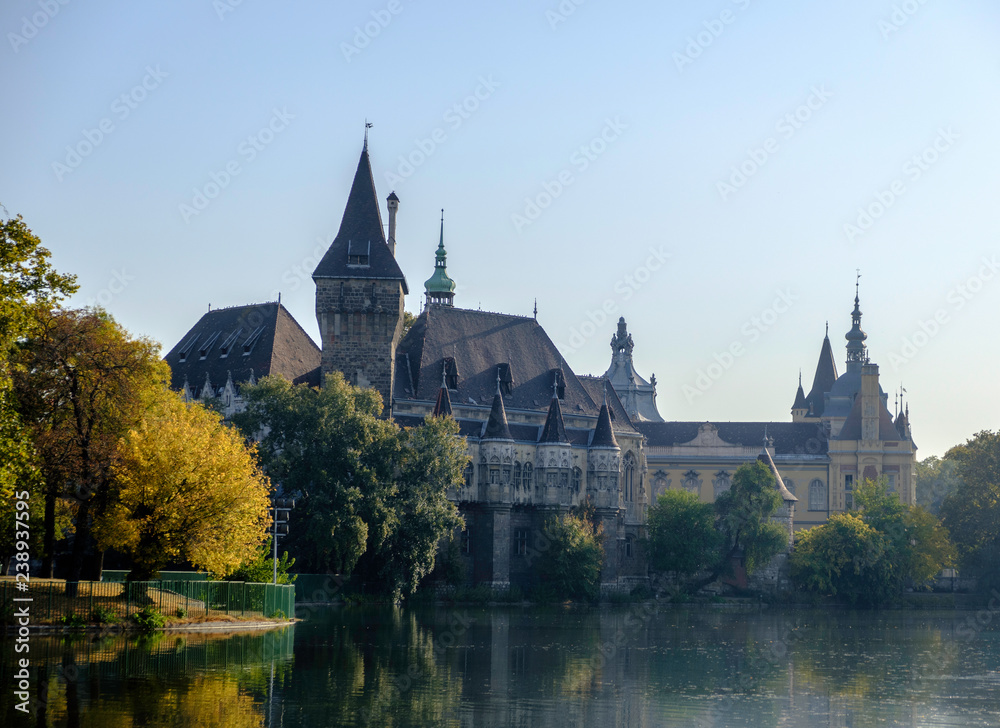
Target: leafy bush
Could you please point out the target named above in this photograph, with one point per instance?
(103, 615)
(181, 612)
(570, 568)
(148, 619)
(73, 620)
(280, 614)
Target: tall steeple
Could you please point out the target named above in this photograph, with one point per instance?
(439, 288)
(856, 353)
(823, 379)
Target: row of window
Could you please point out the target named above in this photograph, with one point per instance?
(523, 476)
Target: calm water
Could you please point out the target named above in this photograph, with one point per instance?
(526, 667)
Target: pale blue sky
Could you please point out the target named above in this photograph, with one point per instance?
(881, 90)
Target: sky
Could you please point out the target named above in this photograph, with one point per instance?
(715, 172)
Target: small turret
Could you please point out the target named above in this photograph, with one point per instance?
(439, 288)
(497, 427)
(857, 354)
(800, 407)
(392, 203)
(442, 407)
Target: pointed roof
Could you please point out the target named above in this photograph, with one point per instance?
(496, 427)
(361, 230)
(765, 457)
(826, 375)
(442, 406)
(439, 282)
(851, 429)
(554, 430)
(604, 434)
(902, 425)
(800, 397)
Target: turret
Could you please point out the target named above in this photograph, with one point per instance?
(857, 354)
(603, 462)
(439, 288)
(554, 454)
(392, 204)
(786, 514)
(496, 454)
(800, 407)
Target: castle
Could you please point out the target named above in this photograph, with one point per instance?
(541, 439)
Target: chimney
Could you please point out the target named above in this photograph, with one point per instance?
(392, 202)
(869, 402)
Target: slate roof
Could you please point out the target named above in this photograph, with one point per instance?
(851, 429)
(825, 376)
(800, 398)
(263, 338)
(478, 341)
(497, 427)
(554, 430)
(790, 438)
(361, 231)
(604, 435)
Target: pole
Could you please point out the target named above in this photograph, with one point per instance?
(274, 519)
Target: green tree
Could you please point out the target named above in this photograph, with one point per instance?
(681, 534)
(259, 569)
(744, 519)
(28, 283)
(432, 460)
(186, 487)
(570, 568)
(330, 449)
(899, 545)
(846, 557)
(936, 479)
(81, 383)
(971, 513)
(369, 496)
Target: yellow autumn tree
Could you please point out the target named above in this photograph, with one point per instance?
(188, 488)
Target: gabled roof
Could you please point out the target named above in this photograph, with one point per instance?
(259, 338)
(790, 438)
(361, 230)
(826, 375)
(554, 430)
(851, 430)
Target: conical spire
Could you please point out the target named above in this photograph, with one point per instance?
(800, 397)
(360, 249)
(604, 434)
(496, 427)
(826, 375)
(765, 457)
(439, 287)
(856, 355)
(442, 407)
(554, 430)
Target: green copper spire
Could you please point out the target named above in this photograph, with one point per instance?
(439, 287)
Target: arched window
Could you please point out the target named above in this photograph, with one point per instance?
(628, 478)
(721, 483)
(469, 475)
(817, 495)
(517, 475)
(577, 478)
(527, 476)
(692, 483)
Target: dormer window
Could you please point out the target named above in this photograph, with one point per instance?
(358, 253)
(186, 349)
(207, 346)
(252, 340)
(506, 379)
(227, 345)
(450, 372)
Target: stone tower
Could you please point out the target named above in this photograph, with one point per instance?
(359, 291)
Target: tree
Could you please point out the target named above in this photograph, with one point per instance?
(432, 460)
(846, 557)
(744, 519)
(187, 488)
(896, 545)
(28, 283)
(971, 513)
(81, 383)
(936, 479)
(570, 568)
(681, 534)
(369, 497)
(329, 448)
(259, 569)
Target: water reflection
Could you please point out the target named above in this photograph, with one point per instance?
(541, 666)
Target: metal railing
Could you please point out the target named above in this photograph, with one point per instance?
(54, 601)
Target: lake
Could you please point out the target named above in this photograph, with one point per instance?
(624, 666)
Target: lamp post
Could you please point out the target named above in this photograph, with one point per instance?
(279, 524)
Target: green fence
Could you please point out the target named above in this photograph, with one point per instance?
(50, 601)
(122, 575)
